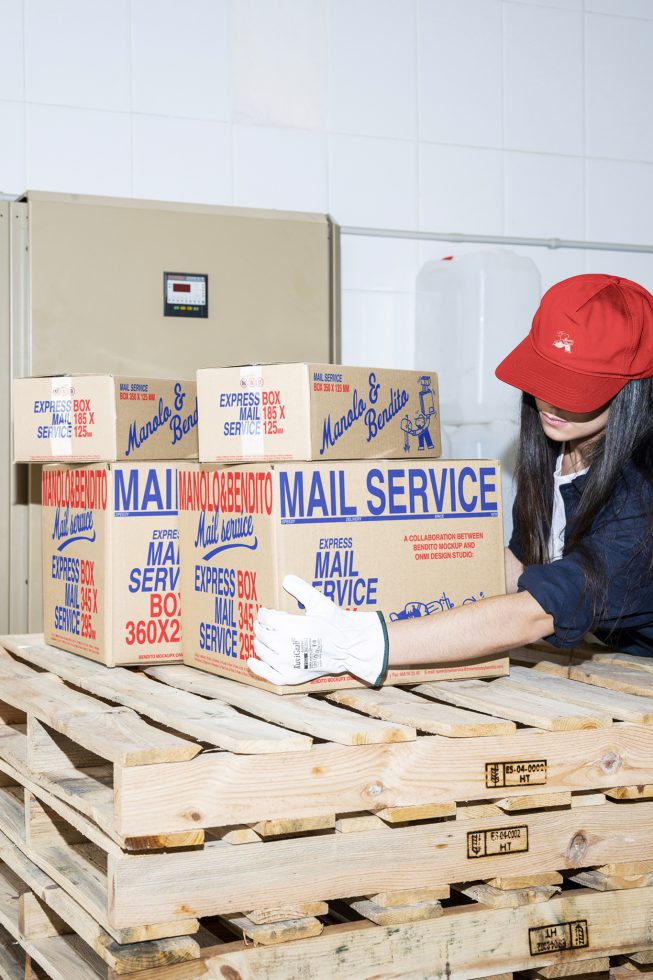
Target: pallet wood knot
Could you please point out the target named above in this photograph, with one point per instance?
(610, 762)
(577, 849)
(229, 973)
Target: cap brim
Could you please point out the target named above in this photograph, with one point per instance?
(554, 384)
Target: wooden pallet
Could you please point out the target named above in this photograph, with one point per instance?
(579, 932)
(97, 741)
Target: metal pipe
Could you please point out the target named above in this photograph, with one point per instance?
(439, 236)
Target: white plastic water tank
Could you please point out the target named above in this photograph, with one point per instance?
(470, 312)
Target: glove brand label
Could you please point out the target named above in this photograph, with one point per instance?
(532, 772)
(498, 840)
(559, 936)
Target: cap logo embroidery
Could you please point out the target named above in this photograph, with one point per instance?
(564, 341)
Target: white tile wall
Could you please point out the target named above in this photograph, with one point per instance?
(12, 156)
(383, 328)
(372, 68)
(619, 201)
(280, 53)
(181, 57)
(621, 8)
(373, 182)
(12, 75)
(83, 151)
(280, 168)
(460, 189)
(182, 160)
(460, 85)
(77, 53)
(618, 113)
(545, 195)
(543, 79)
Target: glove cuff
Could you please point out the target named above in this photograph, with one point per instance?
(386, 651)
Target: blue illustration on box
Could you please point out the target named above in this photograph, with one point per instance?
(416, 610)
(419, 425)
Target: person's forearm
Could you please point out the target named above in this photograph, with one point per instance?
(514, 568)
(477, 629)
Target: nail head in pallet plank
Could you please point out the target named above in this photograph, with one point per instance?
(614, 677)
(499, 898)
(393, 915)
(350, 865)
(499, 698)
(625, 707)
(463, 943)
(209, 721)
(395, 704)
(301, 712)
(335, 778)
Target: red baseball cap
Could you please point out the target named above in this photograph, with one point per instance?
(591, 335)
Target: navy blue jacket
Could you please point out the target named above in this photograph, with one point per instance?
(618, 545)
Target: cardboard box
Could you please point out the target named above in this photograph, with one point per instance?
(111, 561)
(96, 417)
(408, 538)
(316, 412)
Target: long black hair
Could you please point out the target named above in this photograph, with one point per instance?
(628, 438)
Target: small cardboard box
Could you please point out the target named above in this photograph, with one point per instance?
(316, 412)
(111, 561)
(98, 417)
(408, 538)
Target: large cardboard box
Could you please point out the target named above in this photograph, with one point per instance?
(111, 561)
(316, 411)
(95, 417)
(408, 538)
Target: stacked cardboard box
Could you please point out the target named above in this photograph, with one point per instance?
(109, 495)
(337, 480)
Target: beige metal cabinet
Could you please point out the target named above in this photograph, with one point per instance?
(82, 290)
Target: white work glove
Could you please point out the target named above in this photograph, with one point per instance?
(327, 640)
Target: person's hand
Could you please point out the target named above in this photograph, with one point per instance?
(327, 640)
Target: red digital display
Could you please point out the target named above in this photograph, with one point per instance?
(181, 287)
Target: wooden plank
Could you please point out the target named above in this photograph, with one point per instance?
(395, 914)
(526, 881)
(117, 734)
(572, 968)
(500, 698)
(274, 933)
(336, 866)
(644, 957)
(587, 799)
(463, 943)
(335, 778)
(624, 660)
(37, 921)
(409, 896)
(209, 721)
(614, 677)
(302, 910)
(357, 823)
(500, 898)
(295, 711)
(395, 704)
(605, 883)
(423, 811)
(515, 804)
(625, 707)
(301, 825)
(640, 792)
(627, 868)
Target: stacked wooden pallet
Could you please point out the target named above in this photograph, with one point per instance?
(176, 825)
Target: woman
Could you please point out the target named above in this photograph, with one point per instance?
(581, 553)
